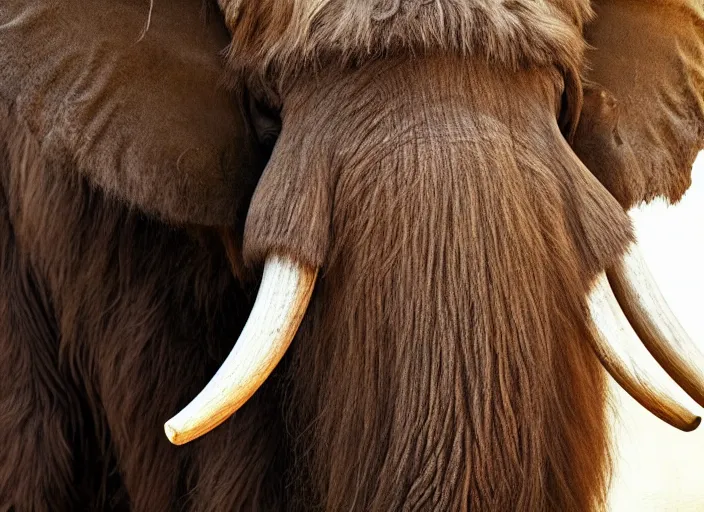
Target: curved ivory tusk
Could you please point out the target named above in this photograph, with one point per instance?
(281, 302)
(624, 357)
(656, 325)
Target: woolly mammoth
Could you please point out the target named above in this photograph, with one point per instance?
(409, 217)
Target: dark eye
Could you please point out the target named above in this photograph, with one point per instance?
(266, 121)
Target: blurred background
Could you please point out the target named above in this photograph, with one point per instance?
(657, 467)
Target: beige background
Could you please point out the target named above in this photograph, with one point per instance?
(659, 468)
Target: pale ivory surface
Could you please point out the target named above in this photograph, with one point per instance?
(657, 467)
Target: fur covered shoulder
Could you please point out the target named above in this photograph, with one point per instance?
(277, 38)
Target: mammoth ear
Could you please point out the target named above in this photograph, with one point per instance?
(642, 122)
(130, 95)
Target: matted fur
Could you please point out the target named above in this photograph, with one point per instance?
(277, 38)
(109, 322)
(444, 362)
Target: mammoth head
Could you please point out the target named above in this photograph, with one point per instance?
(454, 174)
(383, 155)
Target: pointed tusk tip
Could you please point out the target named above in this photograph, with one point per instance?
(693, 424)
(173, 434)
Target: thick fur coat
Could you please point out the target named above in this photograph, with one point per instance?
(444, 361)
(423, 163)
(90, 372)
(477, 387)
(273, 41)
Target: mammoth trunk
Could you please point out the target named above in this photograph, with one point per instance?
(444, 360)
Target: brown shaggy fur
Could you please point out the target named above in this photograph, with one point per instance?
(443, 364)
(643, 120)
(277, 38)
(109, 323)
